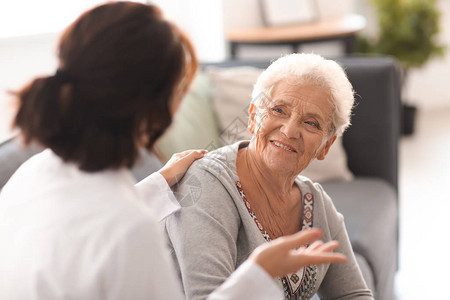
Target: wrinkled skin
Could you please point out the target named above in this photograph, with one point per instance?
(298, 117)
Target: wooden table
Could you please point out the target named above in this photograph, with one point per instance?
(343, 29)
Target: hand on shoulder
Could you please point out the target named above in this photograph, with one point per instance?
(178, 164)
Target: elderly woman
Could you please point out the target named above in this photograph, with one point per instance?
(248, 193)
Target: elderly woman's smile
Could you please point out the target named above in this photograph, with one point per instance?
(283, 146)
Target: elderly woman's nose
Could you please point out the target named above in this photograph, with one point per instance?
(291, 129)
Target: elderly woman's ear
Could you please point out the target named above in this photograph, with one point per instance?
(324, 151)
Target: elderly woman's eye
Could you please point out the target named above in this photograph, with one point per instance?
(314, 124)
(277, 110)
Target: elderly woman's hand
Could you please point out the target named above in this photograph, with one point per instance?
(178, 164)
(288, 254)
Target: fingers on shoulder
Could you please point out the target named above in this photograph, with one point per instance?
(190, 154)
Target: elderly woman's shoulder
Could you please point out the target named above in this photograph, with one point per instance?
(208, 179)
(311, 186)
(214, 168)
(219, 160)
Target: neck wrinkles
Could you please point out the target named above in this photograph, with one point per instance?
(276, 189)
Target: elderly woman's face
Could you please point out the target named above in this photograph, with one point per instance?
(292, 127)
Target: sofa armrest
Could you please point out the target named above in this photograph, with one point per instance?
(12, 154)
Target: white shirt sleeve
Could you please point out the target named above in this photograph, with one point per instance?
(157, 195)
(249, 281)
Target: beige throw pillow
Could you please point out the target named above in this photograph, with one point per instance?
(195, 125)
(232, 88)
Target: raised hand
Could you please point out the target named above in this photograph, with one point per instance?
(288, 254)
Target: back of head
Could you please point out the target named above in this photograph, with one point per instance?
(311, 69)
(120, 66)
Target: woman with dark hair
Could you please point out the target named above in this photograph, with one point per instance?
(72, 223)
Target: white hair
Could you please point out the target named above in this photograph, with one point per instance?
(311, 69)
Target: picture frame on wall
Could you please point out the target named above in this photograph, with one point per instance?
(288, 12)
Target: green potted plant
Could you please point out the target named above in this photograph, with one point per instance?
(407, 31)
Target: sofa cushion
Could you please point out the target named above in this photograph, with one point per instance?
(333, 167)
(231, 98)
(369, 206)
(366, 272)
(194, 126)
(232, 90)
(147, 164)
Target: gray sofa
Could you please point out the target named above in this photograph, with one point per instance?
(369, 203)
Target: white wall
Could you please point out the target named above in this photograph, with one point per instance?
(21, 59)
(202, 20)
(29, 32)
(429, 87)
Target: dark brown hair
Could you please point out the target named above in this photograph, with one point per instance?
(120, 67)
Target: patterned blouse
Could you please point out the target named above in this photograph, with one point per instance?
(301, 284)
